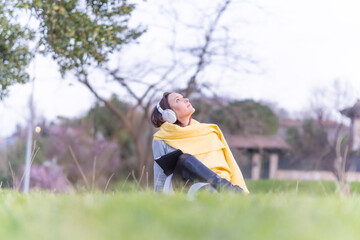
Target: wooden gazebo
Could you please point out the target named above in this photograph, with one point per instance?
(257, 145)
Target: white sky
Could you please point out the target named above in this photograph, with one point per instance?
(300, 45)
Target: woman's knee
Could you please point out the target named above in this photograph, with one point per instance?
(180, 163)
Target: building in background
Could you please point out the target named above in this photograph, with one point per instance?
(268, 156)
(264, 152)
(354, 114)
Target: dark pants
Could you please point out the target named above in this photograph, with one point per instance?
(189, 168)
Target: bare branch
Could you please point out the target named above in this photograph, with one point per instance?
(108, 104)
(122, 80)
(191, 86)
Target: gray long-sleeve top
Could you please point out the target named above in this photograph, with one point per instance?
(159, 148)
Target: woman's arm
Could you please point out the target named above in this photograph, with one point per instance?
(159, 148)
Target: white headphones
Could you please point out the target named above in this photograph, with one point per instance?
(167, 114)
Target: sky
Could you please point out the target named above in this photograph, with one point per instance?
(299, 46)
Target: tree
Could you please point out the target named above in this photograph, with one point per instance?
(79, 37)
(100, 120)
(254, 117)
(98, 158)
(14, 52)
(310, 146)
(82, 36)
(326, 102)
(237, 117)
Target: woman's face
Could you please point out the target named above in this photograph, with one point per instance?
(180, 105)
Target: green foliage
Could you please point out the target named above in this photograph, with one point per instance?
(315, 137)
(14, 52)
(258, 118)
(103, 121)
(16, 153)
(309, 142)
(78, 36)
(293, 137)
(238, 117)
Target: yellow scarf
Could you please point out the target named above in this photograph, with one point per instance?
(203, 141)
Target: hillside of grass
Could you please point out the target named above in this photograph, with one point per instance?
(274, 210)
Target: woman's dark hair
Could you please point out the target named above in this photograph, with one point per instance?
(156, 117)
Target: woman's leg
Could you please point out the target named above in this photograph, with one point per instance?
(190, 168)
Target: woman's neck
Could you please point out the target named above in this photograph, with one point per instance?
(185, 121)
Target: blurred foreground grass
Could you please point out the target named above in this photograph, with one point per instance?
(274, 210)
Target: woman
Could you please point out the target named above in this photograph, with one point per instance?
(206, 157)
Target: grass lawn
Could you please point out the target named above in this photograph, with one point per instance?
(274, 210)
